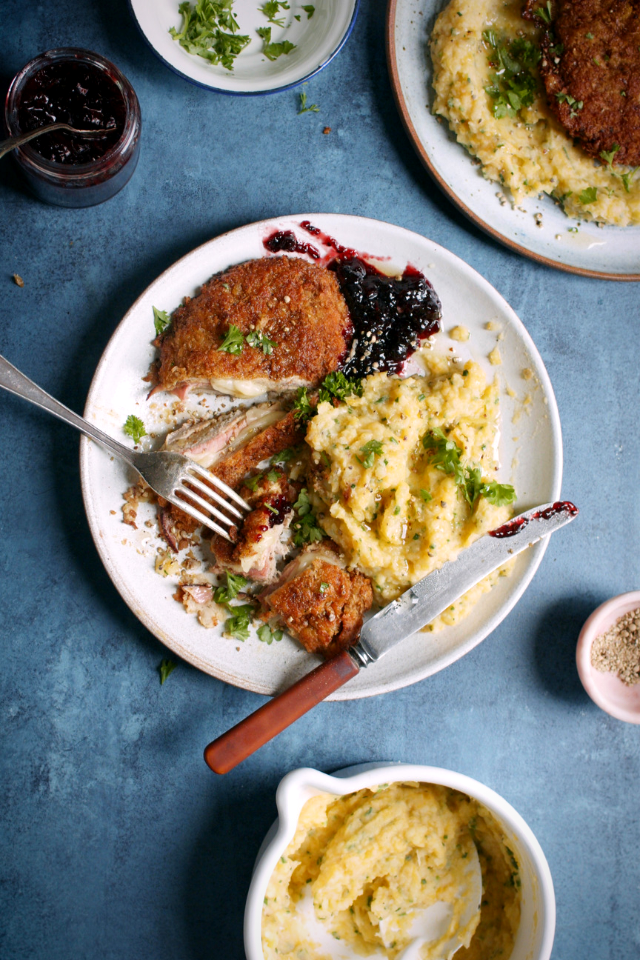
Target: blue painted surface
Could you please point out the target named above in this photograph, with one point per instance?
(116, 840)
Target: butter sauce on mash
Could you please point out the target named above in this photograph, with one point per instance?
(374, 859)
(530, 152)
(377, 490)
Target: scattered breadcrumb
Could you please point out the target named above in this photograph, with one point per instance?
(527, 374)
(327, 130)
(17, 279)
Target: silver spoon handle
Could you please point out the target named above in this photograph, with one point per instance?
(15, 382)
(13, 142)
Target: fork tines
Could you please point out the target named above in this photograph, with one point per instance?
(190, 479)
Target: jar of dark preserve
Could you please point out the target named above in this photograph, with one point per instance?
(86, 91)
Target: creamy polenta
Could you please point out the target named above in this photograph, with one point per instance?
(531, 152)
(370, 863)
(378, 490)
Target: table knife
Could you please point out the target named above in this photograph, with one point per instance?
(416, 607)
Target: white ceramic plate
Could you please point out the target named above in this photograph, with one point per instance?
(531, 452)
(536, 929)
(607, 252)
(317, 40)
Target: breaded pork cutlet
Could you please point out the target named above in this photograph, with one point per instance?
(318, 601)
(591, 70)
(291, 328)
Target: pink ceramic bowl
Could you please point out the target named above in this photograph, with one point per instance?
(605, 689)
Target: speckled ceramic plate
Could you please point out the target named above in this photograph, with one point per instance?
(611, 253)
(317, 35)
(531, 453)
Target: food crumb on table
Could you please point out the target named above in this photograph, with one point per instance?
(17, 279)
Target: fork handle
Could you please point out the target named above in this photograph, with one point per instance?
(268, 721)
(15, 382)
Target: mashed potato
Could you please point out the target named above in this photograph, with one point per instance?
(373, 859)
(378, 495)
(531, 152)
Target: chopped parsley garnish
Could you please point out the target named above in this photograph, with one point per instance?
(161, 320)
(626, 178)
(371, 450)
(324, 587)
(287, 454)
(589, 195)
(608, 156)
(274, 50)
(312, 108)
(272, 509)
(233, 341)
(513, 85)
(589, 36)
(426, 496)
(273, 475)
(545, 12)
(166, 668)
(337, 386)
(302, 406)
(238, 625)
(571, 101)
(272, 8)
(235, 583)
(309, 9)
(261, 341)
(267, 635)
(305, 527)
(134, 428)
(252, 482)
(447, 456)
(203, 31)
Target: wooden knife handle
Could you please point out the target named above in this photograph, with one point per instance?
(250, 734)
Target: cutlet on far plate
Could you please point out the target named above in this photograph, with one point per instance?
(267, 325)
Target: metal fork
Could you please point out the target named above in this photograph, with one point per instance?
(168, 474)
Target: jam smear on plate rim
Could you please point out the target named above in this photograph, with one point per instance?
(512, 527)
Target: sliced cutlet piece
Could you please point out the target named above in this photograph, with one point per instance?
(318, 601)
(297, 305)
(591, 71)
(261, 539)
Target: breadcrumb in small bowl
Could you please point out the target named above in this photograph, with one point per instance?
(620, 700)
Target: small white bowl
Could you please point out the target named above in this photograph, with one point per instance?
(317, 40)
(534, 939)
(605, 689)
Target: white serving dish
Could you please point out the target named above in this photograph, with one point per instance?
(317, 41)
(534, 939)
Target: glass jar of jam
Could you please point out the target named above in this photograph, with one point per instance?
(87, 92)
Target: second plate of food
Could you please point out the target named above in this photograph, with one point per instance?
(430, 456)
(522, 167)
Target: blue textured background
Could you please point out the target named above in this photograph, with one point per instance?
(116, 840)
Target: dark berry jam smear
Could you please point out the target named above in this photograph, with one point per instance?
(390, 315)
(81, 95)
(287, 242)
(512, 527)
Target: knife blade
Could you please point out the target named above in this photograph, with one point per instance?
(423, 602)
(416, 607)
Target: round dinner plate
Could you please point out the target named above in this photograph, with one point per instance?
(531, 453)
(318, 36)
(611, 253)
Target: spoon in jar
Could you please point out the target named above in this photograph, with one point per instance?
(13, 142)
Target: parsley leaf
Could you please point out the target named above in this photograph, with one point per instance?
(252, 482)
(134, 428)
(371, 450)
(287, 454)
(202, 32)
(305, 527)
(302, 406)
(235, 583)
(233, 342)
(626, 178)
(571, 101)
(274, 50)
(271, 8)
(238, 625)
(513, 85)
(261, 341)
(545, 14)
(267, 635)
(272, 476)
(447, 456)
(309, 9)
(589, 195)
(426, 496)
(161, 320)
(500, 494)
(324, 587)
(312, 108)
(166, 668)
(608, 156)
(337, 386)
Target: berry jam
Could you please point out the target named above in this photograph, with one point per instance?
(390, 315)
(286, 241)
(512, 527)
(279, 509)
(81, 95)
